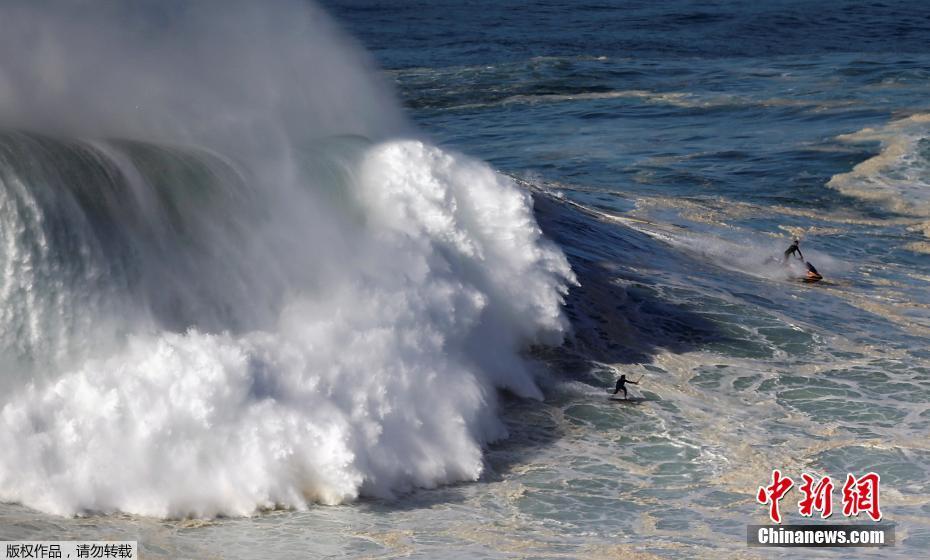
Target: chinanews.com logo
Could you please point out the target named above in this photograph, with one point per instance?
(861, 499)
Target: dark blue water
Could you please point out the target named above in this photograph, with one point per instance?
(673, 150)
(444, 33)
(698, 138)
(740, 100)
(749, 92)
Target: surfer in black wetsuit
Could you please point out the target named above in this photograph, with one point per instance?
(794, 249)
(621, 384)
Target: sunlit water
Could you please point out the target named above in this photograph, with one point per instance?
(671, 152)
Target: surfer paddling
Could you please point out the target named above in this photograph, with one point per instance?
(621, 384)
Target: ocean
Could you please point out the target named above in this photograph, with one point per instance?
(289, 280)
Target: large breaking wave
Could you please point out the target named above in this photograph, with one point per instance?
(231, 280)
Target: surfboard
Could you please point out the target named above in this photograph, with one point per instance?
(631, 400)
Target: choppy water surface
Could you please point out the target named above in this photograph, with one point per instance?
(671, 151)
(694, 155)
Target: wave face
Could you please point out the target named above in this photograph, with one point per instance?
(231, 281)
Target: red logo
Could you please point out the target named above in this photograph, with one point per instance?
(819, 497)
(860, 495)
(773, 493)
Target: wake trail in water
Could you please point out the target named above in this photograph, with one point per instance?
(231, 280)
(759, 257)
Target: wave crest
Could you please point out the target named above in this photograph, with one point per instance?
(373, 385)
(265, 297)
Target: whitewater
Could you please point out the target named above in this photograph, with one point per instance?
(233, 278)
(354, 279)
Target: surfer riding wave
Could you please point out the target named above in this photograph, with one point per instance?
(795, 249)
(621, 385)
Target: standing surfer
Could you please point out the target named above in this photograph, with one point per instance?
(621, 384)
(794, 248)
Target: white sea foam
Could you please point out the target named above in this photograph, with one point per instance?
(283, 325)
(759, 257)
(374, 385)
(899, 176)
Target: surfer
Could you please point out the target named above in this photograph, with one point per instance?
(811, 273)
(794, 248)
(621, 384)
